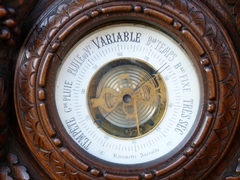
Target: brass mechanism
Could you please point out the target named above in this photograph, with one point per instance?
(127, 101)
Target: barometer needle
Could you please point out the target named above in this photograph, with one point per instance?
(151, 77)
(105, 117)
(136, 115)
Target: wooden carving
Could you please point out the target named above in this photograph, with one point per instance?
(8, 31)
(202, 35)
(235, 10)
(9, 28)
(208, 30)
(10, 167)
(13, 170)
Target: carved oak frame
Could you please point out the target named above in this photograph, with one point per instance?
(190, 23)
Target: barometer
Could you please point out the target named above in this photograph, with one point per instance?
(128, 94)
(127, 90)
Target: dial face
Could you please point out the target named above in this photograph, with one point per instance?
(128, 94)
(127, 98)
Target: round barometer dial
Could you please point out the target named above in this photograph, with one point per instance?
(128, 90)
(128, 94)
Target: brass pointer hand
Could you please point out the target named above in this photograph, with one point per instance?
(136, 115)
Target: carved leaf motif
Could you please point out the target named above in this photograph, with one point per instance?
(28, 77)
(223, 132)
(211, 31)
(56, 22)
(25, 105)
(45, 154)
(36, 134)
(197, 19)
(224, 64)
(208, 153)
(219, 52)
(4, 171)
(63, 14)
(19, 171)
(210, 36)
(61, 167)
(189, 12)
(63, 10)
(51, 24)
(79, 5)
(227, 108)
(14, 171)
(235, 10)
(168, 2)
(180, 175)
(204, 158)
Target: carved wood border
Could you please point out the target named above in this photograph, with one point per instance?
(235, 10)
(194, 23)
(9, 32)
